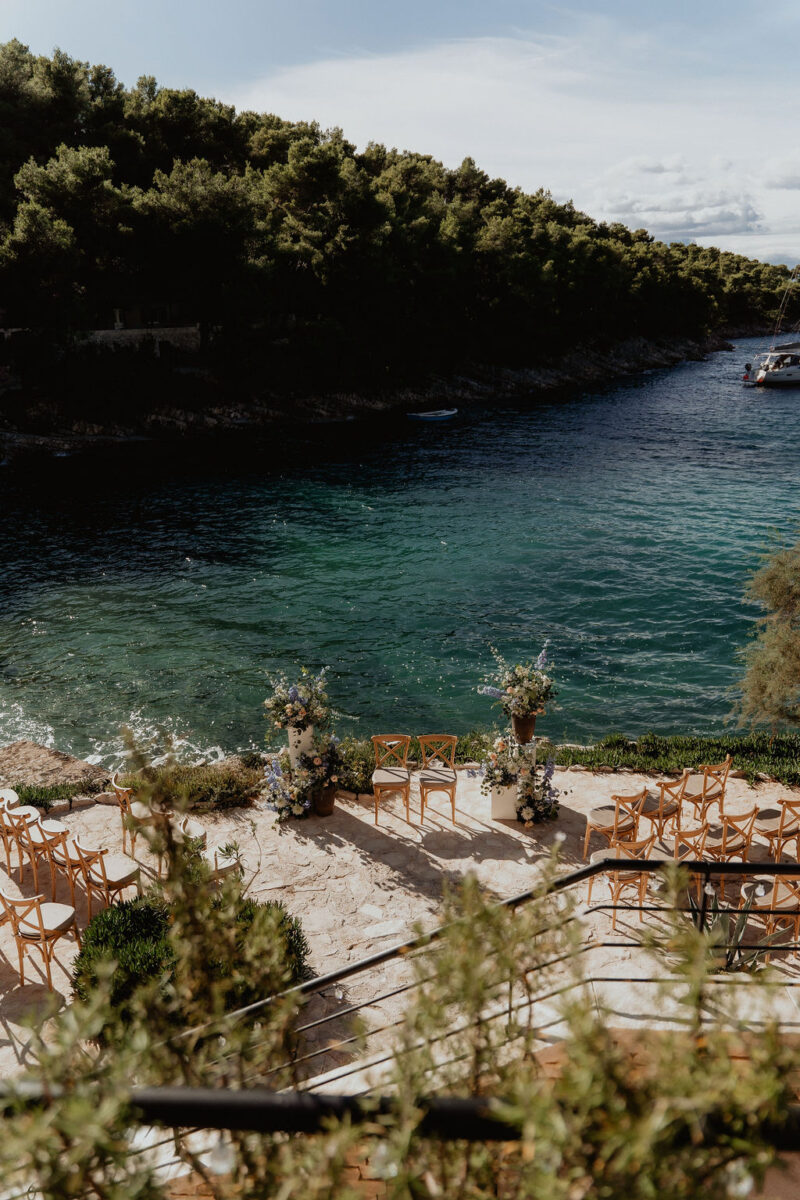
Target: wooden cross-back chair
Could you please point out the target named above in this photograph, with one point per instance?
(9, 827)
(133, 812)
(616, 821)
(779, 826)
(663, 807)
(731, 839)
(38, 923)
(708, 790)
(685, 845)
(619, 881)
(37, 840)
(108, 875)
(438, 772)
(765, 893)
(391, 772)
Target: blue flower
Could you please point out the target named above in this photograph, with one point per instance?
(491, 691)
(293, 693)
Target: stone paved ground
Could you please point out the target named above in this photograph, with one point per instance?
(358, 887)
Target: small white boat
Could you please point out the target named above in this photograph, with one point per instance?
(435, 414)
(779, 367)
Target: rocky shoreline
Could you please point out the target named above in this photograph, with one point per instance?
(44, 433)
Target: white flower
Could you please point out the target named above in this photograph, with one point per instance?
(297, 810)
(527, 813)
(281, 802)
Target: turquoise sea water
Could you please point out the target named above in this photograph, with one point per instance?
(158, 589)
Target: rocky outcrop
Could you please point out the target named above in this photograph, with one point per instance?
(42, 766)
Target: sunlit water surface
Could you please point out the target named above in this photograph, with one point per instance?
(158, 590)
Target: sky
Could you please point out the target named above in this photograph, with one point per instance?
(672, 116)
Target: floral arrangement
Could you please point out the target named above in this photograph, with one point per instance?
(289, 795)
(505, 763)
(537, 799)
(522, 690)
(298, 705)
(323, 764)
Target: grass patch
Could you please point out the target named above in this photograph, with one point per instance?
(201, 788)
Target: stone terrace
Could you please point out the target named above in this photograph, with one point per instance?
(358, 887)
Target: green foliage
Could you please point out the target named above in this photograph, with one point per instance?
(770, 689)
(312, 263)
(754, 753)
(358, 763)
(474, 745)
(202, 787)
(134, 935)
(46, 795)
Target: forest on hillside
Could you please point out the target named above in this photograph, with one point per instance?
(304, 260)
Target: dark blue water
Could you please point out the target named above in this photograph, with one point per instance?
(158, 589)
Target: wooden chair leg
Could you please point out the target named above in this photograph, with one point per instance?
(376, 805)
(591, 885)
(453, 804)
(21, 953)
(408, 803)
(586, 841)
(421, 804)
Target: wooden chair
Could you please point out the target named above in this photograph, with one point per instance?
(779, 826)
(731, 839)
(221, 862)
(37, 839)
(438, 772)
(391, 772)
(664, 806)
(765, 893)
(685, 845)
(108, 875)
(702, 793)
(38, 923)
(619, 881)
(66, 859)
(618, 821)
(133, 812)
(8, 827)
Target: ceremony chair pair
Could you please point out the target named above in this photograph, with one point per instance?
(392, 774)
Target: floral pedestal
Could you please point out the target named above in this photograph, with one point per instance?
(504, 803)
(301, 741)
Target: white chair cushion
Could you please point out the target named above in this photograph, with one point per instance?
(437, 775)
(120, 870)
(54, 916)
(386, 776)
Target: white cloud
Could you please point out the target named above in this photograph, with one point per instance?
(613, 119)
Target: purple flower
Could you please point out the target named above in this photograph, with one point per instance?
(491, 691)
(293, 693)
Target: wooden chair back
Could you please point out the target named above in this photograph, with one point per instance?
(391, 749)
(740, 826)
(715, 776)
(634, 849)
(790, 819)
(689, 843)
(438, 749)
(628, 808)
(19, 908)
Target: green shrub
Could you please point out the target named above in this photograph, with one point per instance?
(358, 756)
(134, 934)
(755, 753)
(203, 787)
(475, 745)
(46, 796)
